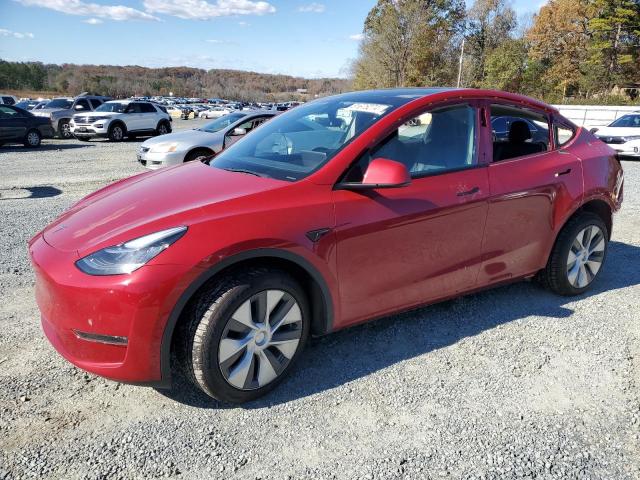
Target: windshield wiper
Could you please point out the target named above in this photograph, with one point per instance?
(241, 170)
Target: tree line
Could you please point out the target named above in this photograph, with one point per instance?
(125, 81)
(571, 50)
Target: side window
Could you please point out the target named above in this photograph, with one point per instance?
(82, 105)
(562, 133)
(500, 125)
(434, 142)
(527, 132)
(95, 103)
(8, 100)
(147, 108)
(6, 112)
(133, 108)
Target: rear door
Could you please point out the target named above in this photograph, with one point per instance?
(529, 195)
(149, 116)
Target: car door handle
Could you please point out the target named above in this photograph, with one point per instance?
(468, 192)
(565, 172)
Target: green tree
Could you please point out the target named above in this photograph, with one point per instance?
(615, 44)
(407, 42)
(490, 25)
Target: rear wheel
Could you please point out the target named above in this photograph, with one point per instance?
(64, 129)
(245, 333)
(163, 128)
(32, 139)
(578, 255)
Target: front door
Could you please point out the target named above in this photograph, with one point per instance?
(402, 247)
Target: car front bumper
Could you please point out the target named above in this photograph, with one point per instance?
(111, 326)
(99, 129)
(154, 160)
(629, 149)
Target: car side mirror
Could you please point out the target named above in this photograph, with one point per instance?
(239, 131)
(381, 173)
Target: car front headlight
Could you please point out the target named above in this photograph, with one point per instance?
(130, 256)
(165, 147)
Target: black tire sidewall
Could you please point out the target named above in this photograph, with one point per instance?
(26, 141)
(212, 381)
(61, 130)
(568, 237)
(112, 128)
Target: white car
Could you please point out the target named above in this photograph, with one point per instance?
(215, 112)
(622, 135)
(118, 119)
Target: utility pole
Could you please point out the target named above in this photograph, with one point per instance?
(461, 61)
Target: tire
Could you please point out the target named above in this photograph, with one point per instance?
(64, 129)
(32, 139)
(163, 128)
(117, 132)
(234, 360)
(572, 268)
(197, 154)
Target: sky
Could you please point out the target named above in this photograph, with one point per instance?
(295, 37)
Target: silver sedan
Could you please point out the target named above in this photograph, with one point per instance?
(208, 140)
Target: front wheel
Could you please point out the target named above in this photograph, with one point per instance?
(116, 133)
(245, 333)
(577, 256)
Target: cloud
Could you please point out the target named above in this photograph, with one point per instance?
(93, 21)
(205, 10)
(8, 33)
(78, 7)
(312, 8)
(215, 41)
(357, 37)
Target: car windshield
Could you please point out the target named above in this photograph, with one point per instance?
(222, 122)
(298, 142)
(112, 107)
(25, 105)
(627, 121)
(59, 103)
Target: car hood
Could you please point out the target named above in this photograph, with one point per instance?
(188, 138)
(96, 114)
(47, 111)
(618, 132)
(140, 205)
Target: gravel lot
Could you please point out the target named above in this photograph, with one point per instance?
(511, 383)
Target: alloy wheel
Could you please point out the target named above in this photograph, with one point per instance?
(162, 129)
(33, 139)
(117, 133)
(260, 339)
(65, 130)
(586, 256)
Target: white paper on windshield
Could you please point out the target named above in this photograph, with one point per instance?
(374, 108)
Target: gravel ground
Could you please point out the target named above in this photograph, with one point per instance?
(510, 383)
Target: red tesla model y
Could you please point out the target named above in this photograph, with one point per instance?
(339, 211)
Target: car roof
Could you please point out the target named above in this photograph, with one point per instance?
(400, 96)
